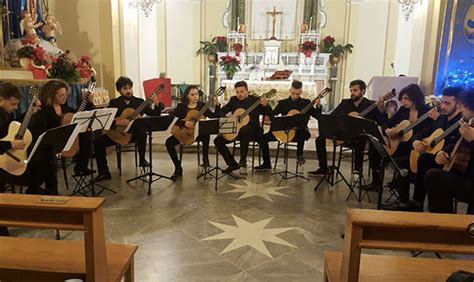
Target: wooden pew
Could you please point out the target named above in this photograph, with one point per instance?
(29, 259)
(372, 229)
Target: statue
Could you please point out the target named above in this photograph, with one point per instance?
(50, 28)
(28, 26)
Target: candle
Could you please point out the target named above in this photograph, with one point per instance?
(238, 23)
(310, 23)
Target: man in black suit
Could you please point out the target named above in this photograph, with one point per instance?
(124, 86)
(248, 132)
(357, 103)
(294, 102)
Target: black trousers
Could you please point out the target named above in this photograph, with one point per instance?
(101, 142)
(43, 170)
(321, 152)
(4, 179)
(300, 137)
(246, 134)
(425, 162)
(85, 152)
(172, 142)
(402, 158)
(442, 186)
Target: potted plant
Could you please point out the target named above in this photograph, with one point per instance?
(35, 59)
(230, 65)
(64, 68)
(336, 51)
(84, 66)
(210, 48)
(307, 48)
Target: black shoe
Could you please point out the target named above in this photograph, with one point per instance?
(319, 171)
(144, 163)
(36, 191)
(300, 160)
(52, 192)
(263, 167)
(102, 177)
(177, 173)
(231, 168)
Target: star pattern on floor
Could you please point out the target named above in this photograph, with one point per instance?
(257, 190)
(249, 234)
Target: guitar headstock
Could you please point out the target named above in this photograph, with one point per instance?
(220, 91)
(326, 91)
(91, 85)
(389, 95)
(157, 91)
(34, 91)
(270, 94)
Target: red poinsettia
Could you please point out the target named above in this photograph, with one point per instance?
(230, 65)
(307, 48)
(237, 48)
(221, 43)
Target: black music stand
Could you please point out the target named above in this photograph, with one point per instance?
(214, 127)
(385, 159)
(287, 123)
(152, 124)
(56, 138)
(89, 122)
(334, 128)
(358, 127)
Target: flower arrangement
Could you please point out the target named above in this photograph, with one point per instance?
(307, 48)
(34, 58)
(237, 48)
(337, 51)
(84, 66)
(230, 65)
(64, 68)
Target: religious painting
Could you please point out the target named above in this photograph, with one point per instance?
(455, 61)
(263, 19)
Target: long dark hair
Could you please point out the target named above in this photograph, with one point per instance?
(414, 94)
(49, 90)
(184, 98)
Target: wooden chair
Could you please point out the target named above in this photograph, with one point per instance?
(125, 148)
(31, 259)
(375, 229)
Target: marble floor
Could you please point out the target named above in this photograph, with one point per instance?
(247, 230)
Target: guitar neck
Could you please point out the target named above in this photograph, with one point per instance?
(139, 110)
(83, 105)
(202, 111)
(26, 121)
(308, 107)
(368, 109)
(446, 133)
(416, 122)
(250, 109)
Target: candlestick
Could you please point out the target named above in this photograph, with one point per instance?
(310, 23)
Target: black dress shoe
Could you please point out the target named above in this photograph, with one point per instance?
(87, 171)
(300, 160)
(205, 162)
(319, 171)
(144, 163)
(231, 168)
(178, 172)
(102, 177)
(263, 167)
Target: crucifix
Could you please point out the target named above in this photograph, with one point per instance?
(273, 14)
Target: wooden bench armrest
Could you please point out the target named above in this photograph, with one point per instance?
(22, 201)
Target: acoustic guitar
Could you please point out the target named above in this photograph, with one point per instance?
(184, 134)
(286, 136)
(435, 143)
(14, 161)
(243, 116)
(370, 108)
(67, 118)
(460, 155)
(405, 131)
(118, 134)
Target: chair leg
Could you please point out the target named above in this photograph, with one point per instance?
(136, 155)
(118, 150)
(277, 154)
(253, 155)
(63, 164)
(199, 153)
(340, 157)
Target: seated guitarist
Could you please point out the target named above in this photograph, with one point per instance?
(9, 99)
(247, 133)
(449, 114)
(124, 86)
(442, 186)
(413, 107)
(302, 134)
(190, 101)
(357, 103)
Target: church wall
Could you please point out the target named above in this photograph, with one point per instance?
(88, 29)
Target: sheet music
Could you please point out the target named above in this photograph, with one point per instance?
(72, 138)
(133, 121)
(103, 119)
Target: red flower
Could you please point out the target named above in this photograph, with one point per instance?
(307, 48)
(329, 40)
